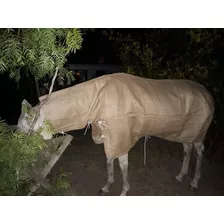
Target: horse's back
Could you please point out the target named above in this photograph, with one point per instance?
(176, 110)
(159, 97)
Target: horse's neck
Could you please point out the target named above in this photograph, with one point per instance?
(73, 107)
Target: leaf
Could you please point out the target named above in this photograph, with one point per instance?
(37, 51)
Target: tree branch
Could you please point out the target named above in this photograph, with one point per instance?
(51, 88)
(43, 102)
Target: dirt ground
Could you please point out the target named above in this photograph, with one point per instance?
(86, 161)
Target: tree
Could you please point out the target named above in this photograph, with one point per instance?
(166, 53)
(35, 53)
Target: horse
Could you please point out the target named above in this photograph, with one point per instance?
(122, 108)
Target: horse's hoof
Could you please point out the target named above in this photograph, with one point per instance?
(123, 194)
(102, 193)
(191, 188)
(178, 180)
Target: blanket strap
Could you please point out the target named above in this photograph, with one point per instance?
(101, 125)
(145, 142)
(87, 127)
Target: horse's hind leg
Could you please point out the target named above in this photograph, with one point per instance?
(110, 177)
(123, 161)
(186, 160)
(199, 146)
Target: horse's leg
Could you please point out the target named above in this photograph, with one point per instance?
(123, 161)
(186, 160)
(199, 149)
(110, 177)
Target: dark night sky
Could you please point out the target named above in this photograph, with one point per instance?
(95, 45)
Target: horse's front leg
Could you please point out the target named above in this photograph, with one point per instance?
(110, 178)
(123, 161)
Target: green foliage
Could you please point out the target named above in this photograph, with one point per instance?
(18, 151)
(62, 182)
(36, 51)
(61, 186)
(31, 113)
(167, 53)
(47, 127)
(65, 77)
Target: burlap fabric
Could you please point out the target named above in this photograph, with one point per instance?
(123, 108)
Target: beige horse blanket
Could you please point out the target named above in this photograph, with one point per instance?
(122, 108)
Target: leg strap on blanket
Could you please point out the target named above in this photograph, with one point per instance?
(101, 124)
(87, 127)
(145, 142)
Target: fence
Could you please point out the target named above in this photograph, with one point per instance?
(89, 71)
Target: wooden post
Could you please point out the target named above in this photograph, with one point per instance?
(40, 177)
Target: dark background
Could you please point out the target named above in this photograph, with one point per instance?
(95, 49)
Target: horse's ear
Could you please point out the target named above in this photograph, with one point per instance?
(25, 106)
(25, 102)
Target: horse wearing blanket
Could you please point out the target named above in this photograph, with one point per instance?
(122, 108)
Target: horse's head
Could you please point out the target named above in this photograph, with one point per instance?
(27, 117)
